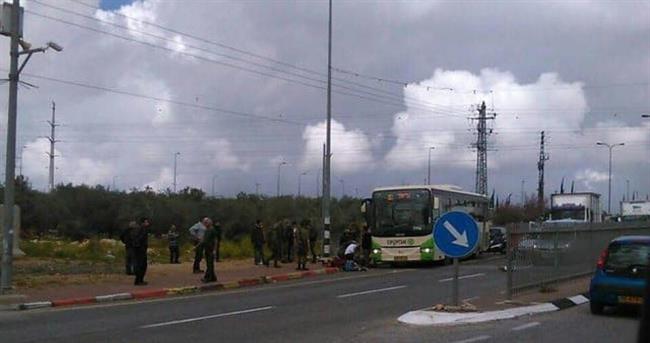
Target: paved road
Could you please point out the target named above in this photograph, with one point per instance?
(341, 308)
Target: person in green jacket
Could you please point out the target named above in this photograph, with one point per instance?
(301, 241)
(274, 242)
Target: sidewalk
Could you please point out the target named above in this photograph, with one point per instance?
(159, 276)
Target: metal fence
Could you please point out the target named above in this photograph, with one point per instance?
(542, 254)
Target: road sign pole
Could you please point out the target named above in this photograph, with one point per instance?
(455, 286)
(457, 235)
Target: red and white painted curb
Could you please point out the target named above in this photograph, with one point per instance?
(164, 292)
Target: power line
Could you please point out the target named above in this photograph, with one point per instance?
(377, 97)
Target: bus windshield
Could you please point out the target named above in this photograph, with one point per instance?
(401, 213)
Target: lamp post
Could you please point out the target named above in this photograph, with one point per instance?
(429, 170)
(10, 167)
(609, 179)
(278, 184)
(300, 180)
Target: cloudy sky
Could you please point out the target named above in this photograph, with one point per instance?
(237, 87)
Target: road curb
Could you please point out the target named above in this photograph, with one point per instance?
(430, 317)
(175, 291)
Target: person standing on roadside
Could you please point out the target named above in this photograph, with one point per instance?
(126, 238)
(140, 241)
(197, 231)
(275, 244)
(366, 244)
(172, 238)
(209, 240)
(313, 237)
(301, 239)
(288, 240)
(219, 236)
(257, 238)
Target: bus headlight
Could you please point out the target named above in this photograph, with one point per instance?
(376, 251)
(426, 250)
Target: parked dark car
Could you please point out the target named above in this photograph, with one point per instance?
(498, 240)
(620, 273)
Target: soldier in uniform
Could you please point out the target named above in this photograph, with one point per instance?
(209, 241)
(257, 239)
(140, 241)
(288, 240)
(313, 237)
(301, 239)
(219, 236)
(275, 243)
(126, 238)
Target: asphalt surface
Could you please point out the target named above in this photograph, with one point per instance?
(361, 306)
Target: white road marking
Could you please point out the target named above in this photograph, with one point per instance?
(525, 326)
(470, 299)
(462, 277)
(579, 299)
(474, 339)
(182, 321)
(371, 291)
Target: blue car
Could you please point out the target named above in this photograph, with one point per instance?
(620, 273)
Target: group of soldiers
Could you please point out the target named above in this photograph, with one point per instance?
(287, 241)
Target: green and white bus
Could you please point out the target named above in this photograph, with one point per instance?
(401, 220)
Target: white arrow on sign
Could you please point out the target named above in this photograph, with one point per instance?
(460, 239)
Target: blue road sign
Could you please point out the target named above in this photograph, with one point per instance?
(456, 234)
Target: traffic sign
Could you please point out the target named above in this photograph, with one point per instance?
(456, 234)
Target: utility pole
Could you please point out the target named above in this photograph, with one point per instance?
(328, 145)
(300, 180)
(278, 184)
(175, 166)
(20, 168)
(15, 32)
(482, 133)
(543, 157)
(429, 170)
(627, 190)
(609, 179)
(342, 187)
(52, 140)
(214, 178)
(114, 183)
(257, 189)
(523, 196)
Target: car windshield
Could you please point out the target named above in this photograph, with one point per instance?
(625, 255)
(402, 213)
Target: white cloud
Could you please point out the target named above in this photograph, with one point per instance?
(439, 108)
(590, 176)
(351, 149)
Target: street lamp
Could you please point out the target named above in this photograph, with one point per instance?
(278, 185)
(429, 171)
(175, 165)
(609, 187)
(645, 116)
(300, 181)
(10, 171)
